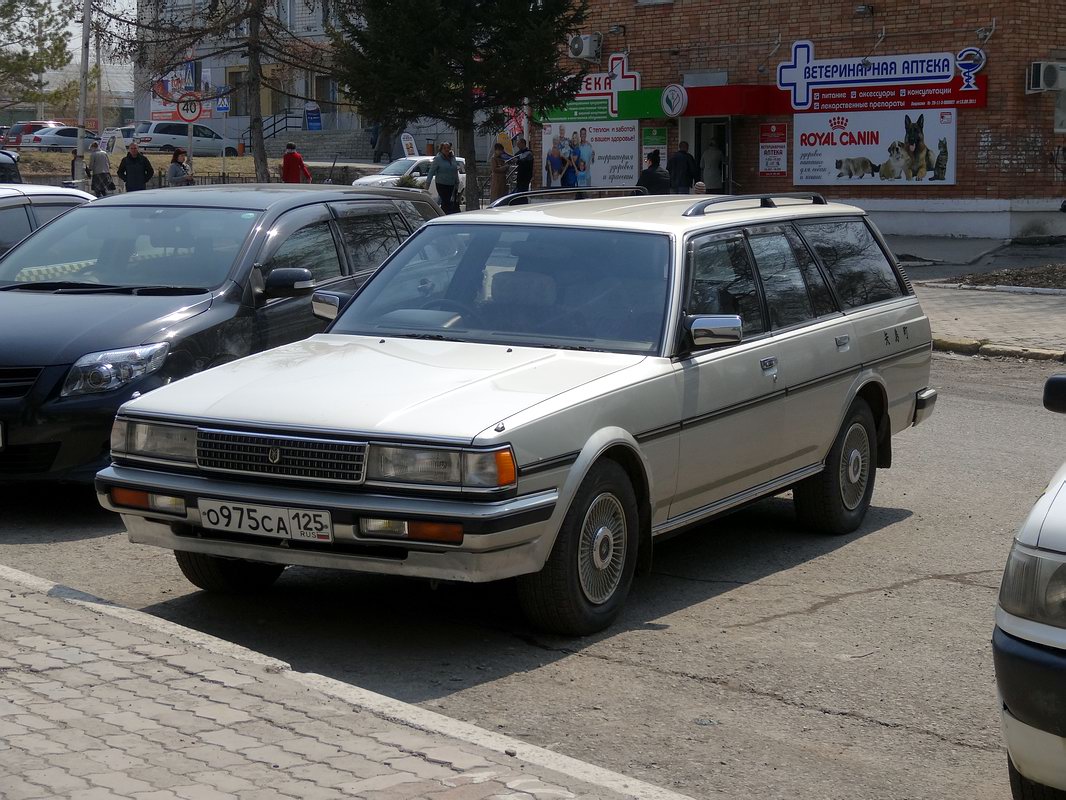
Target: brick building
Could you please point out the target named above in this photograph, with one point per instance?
(789, 88)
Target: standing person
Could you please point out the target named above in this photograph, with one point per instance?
(179, 173)
(553, 167)
(523, 157)
(445, 169)
(100, 169)
(498, 165)
(135, 169)
(654, 178)
(293, 168)
(683, 170)
(711, 163)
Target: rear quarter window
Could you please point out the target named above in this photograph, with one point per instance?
(856, 265)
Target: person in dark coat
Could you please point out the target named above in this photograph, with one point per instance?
(135, 169)
(654, 178)
(684, 172)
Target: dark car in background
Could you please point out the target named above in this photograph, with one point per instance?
(134, 291)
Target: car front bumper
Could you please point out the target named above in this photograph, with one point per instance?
(1031, 679)
(501, 538)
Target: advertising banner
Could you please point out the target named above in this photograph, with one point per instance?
(598, 96)
(875, 147)
(609, 149)
(773, 150)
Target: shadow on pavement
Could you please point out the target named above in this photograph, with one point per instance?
(411, 641)
(48, 513)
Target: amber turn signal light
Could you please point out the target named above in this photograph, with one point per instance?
(131, 498)
(443, 532)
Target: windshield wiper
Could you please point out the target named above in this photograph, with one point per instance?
(439, 337)
(74, 287)
(53, 286)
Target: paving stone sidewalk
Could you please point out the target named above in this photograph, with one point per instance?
(1002, 318)
(94, 707)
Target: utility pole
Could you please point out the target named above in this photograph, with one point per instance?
(99, 90)
(40, 75)
(83, 95)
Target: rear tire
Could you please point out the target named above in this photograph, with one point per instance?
(226, 575)
(835, 500)
(585, 581)
(230, 152)
(1021, 788)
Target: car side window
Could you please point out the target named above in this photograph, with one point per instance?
(310, 247)
(821, 294)
(70, 133)
(14, 226)
(857, 266)
(416, 213)
(785, 290)
(370, 238)
(723, 281)
(204, 133)
(49, 212)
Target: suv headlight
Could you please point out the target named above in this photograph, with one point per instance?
(113, 369)
(153, 440)
(1034, 585)
(473, 469)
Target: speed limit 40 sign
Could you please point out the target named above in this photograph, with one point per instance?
(190, 108)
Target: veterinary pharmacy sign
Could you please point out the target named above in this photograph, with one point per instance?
(880, 148)
(865, 81)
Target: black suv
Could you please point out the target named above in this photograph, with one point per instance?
(131, 292)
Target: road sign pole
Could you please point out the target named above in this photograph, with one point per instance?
(188, 158)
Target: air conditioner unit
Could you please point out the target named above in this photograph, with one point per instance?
(1046, 76)
(586, 46)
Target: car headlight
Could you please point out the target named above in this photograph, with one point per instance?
(475, 469)
(1034, 585)
(153, 440)
(113, 369)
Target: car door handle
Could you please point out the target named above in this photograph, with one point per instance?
(842, 341)
(768, 363)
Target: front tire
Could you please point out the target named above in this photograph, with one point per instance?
(226, 575)
(835, 500)
(586, 579)
(1021, 788)
(230, 152)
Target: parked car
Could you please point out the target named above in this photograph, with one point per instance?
(9, 167)
(165, 137)
(26, 207)
(542, 391)
(14, 136)
(417, 168)
(56, 139)
(1029, 640)
(134, 291)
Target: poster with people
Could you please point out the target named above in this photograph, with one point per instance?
(881, 148)
(586, 154)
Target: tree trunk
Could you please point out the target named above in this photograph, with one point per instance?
(255, 106)
(473, 195)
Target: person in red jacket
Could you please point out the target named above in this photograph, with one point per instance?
(293, 168)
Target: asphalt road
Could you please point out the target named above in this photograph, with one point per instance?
(758, 660)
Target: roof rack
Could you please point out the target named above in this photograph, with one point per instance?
(765, 201)
(514, 197)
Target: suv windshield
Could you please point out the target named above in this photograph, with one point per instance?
(520, 285)
(399, 167)
(133, 246)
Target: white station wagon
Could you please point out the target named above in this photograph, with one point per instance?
(542, 391)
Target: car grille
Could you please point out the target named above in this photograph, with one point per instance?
(302, 458)
(17, 381)
(28, 459)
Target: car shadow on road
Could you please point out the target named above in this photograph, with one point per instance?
(47, 513)
(416, 642)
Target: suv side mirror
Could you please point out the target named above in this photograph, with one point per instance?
(1055, 394)
(288, 282)
(327, 305)
(714, 331)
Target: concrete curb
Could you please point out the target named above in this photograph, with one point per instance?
(1032, 290)
(982, 347)
(377, 704)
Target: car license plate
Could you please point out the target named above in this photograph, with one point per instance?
(302, 524)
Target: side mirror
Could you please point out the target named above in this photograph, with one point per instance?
(1055, 394)
(327, 305)
(289, 282)
(715, 331)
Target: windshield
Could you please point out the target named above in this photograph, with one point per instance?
(520, 285)
(399, 167)
(132, 246)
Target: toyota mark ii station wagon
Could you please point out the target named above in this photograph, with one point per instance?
(541, 391)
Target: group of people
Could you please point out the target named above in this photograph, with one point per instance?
(134, 170)
(569, 162)
(682, 173)
(444, 173)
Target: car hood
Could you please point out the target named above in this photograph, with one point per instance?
(40, 329)
(380, 387)
(376, 180)
(1045, 526)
